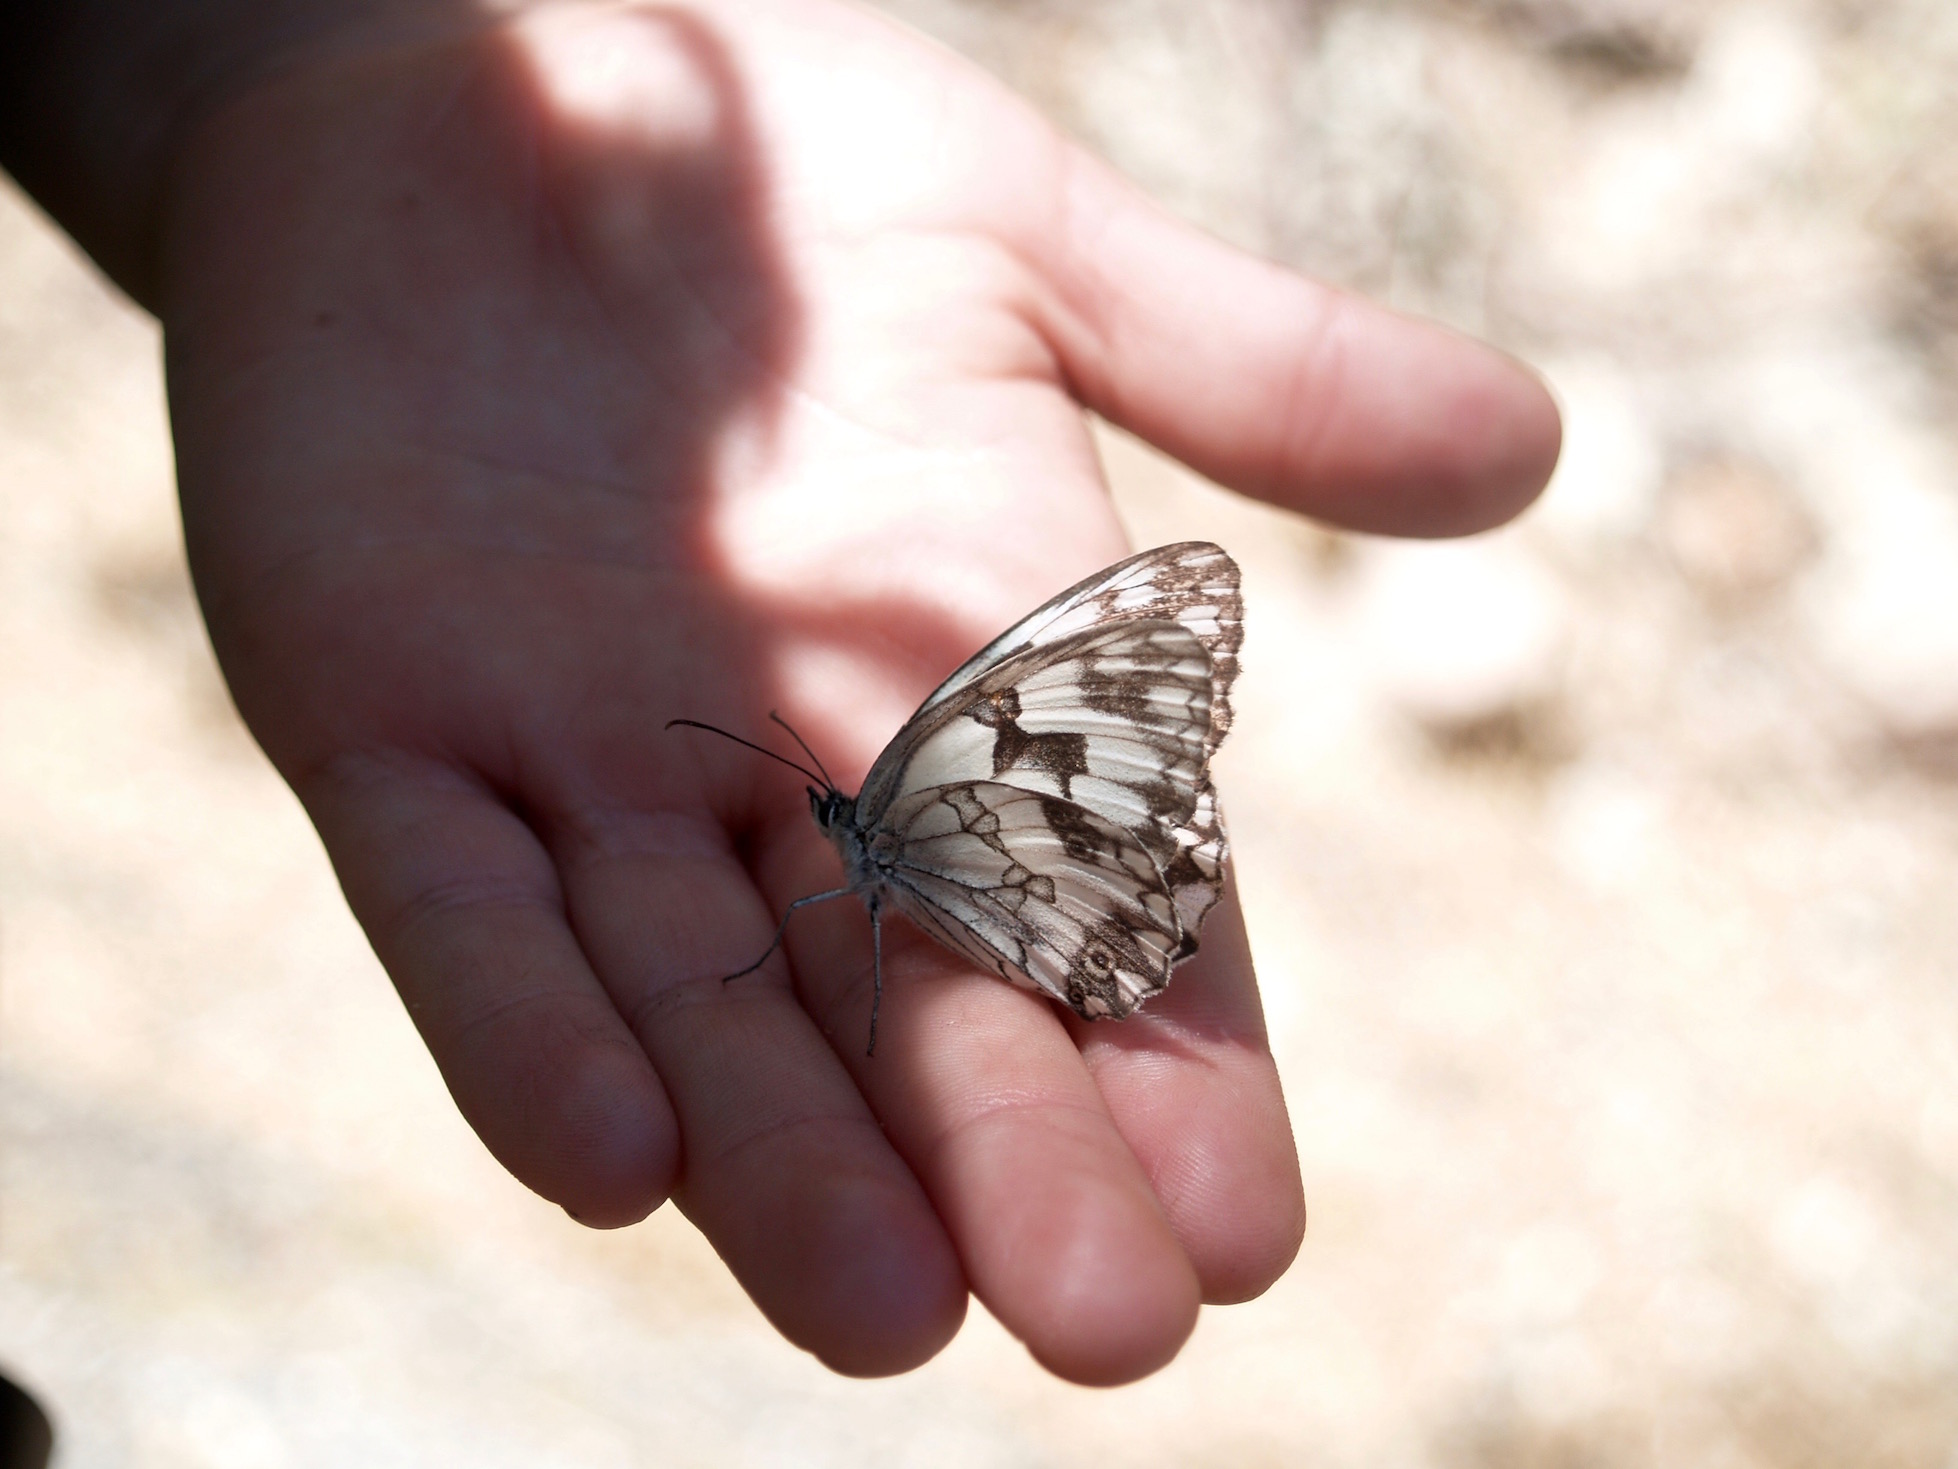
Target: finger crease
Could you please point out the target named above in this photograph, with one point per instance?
(783, 1129)
(464, 896)
(1043, 1110)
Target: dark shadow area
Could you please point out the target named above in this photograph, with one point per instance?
(1603, 46)
(1931, 755)
(26, 1435)
(677, 250)
(531, 325)
(1530, 741)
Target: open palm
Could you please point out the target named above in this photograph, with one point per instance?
(536, 383)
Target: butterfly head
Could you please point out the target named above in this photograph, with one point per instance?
(831, 807)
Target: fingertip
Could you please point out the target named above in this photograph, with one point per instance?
(1505, 434)
(1118, 1298)
(1287, 389)
(852, 1267)
(895, 1296)
(1207, 1120)
(1406, 427)
(1192, 1085)
(1260, 1229)
(1076, 1258)
(604, 1147)
(1056, 1226)
(463, 907)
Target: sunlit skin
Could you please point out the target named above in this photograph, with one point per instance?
(537, 381)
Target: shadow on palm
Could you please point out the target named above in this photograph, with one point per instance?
(571, 377)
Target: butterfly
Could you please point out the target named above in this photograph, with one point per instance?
(1047, 813)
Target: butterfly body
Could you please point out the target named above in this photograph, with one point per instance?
(1047, 813)
(866, 861)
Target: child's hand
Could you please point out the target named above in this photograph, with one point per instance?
(537, 383)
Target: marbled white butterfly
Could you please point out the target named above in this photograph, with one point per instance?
(1048, 813)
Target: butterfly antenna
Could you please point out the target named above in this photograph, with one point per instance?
(805, 746)
(760, 749)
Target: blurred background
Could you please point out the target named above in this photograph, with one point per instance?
(1603, 872)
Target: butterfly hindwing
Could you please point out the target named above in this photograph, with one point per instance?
(1195, 873)
(1037, 889)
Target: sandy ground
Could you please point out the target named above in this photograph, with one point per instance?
(1601, 871)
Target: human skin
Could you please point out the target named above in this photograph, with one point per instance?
(540, 377)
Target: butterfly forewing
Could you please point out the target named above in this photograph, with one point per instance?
(1191, 582)
(1114, 719)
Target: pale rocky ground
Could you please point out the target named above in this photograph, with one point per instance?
(1601, 871)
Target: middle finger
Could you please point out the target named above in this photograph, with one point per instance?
(980, 1088)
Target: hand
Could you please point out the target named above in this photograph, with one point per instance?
(537, 381)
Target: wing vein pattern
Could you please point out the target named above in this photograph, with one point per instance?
(1048, 811)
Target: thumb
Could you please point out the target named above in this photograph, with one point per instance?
(1284, 388)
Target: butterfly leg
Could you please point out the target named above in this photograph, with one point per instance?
(876, 973)
(783, 927)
